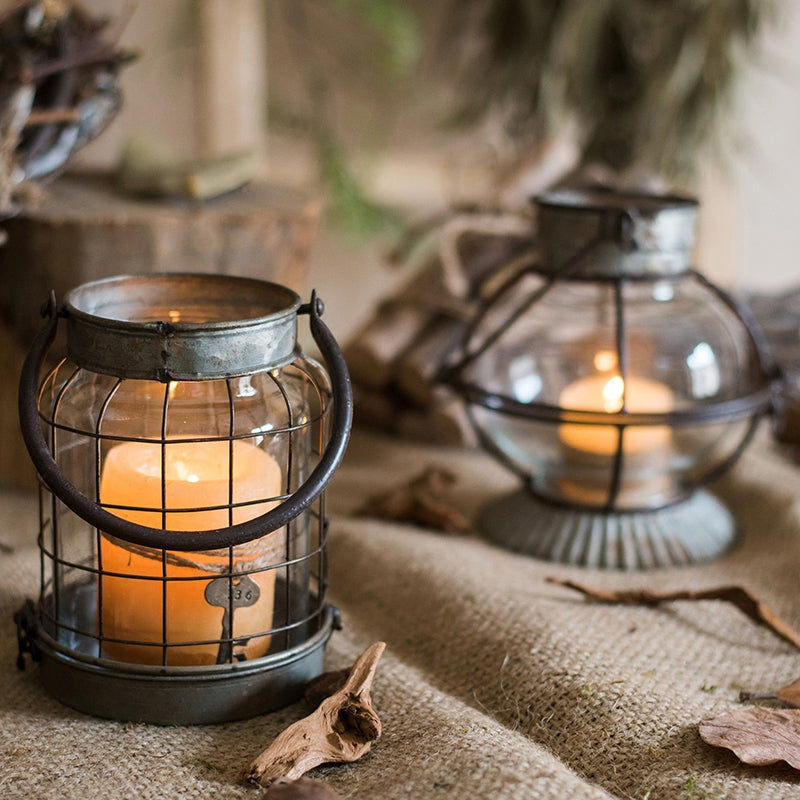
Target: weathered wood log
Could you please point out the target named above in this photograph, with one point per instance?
(450, 421)
(85, 230)
(374, 351)
(443, 422)
(377, 408)
(372, 354)
(417, 369)
(395, 358)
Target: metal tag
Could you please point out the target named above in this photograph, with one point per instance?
(244, 592)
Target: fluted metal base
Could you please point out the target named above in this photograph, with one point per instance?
(698, 529)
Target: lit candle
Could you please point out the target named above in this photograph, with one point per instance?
(590, 448)
(604, 393)
(196, 477)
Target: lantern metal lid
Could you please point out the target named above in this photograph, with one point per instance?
(181, 327)
(616, 381)
(183, 446)
(603, 234)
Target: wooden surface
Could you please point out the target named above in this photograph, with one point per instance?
(84, 230)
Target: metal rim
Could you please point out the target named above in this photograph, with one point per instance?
(146, 672)
(136, 326)
(601, 200)
(634, 234)
(755, 403)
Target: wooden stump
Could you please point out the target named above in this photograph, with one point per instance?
(85, 230)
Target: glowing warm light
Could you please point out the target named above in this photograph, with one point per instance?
(200, 481)
(601, 393)
(591, 447)
(612, 393)
(605, 360)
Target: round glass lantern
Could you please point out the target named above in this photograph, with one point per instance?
(616, 381)
(184, 445)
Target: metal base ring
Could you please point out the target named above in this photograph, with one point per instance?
(184, 695)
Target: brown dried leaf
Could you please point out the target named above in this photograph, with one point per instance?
(422, 501)
(757, 735)
(790, 694)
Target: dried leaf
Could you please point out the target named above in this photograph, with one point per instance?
(757, 735)
(422, 501)
(742, 598)
(790, 694)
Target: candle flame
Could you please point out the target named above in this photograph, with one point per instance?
(613, 392)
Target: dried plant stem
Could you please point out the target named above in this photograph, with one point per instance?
(342, 729)
(738, 596)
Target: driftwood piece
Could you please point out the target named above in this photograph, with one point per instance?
(341, 729)
(323, 686)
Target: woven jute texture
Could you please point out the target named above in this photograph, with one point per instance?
(494, 684)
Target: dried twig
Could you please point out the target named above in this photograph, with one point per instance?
(422, 501)
(742, 598)
(342, 729)
(789, 695)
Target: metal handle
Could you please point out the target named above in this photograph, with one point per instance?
(213, 539)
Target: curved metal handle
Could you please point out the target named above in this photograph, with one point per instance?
(213, 539)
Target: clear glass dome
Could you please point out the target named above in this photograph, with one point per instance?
(617, 394)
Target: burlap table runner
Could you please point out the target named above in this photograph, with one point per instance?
(494, 684)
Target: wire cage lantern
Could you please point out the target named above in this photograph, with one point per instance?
(183, 445)
(616, 380)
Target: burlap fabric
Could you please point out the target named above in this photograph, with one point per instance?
(494, 684)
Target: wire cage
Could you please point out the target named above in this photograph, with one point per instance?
(184, 444)
(616, 380)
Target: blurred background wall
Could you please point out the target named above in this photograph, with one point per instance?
(750, 232)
